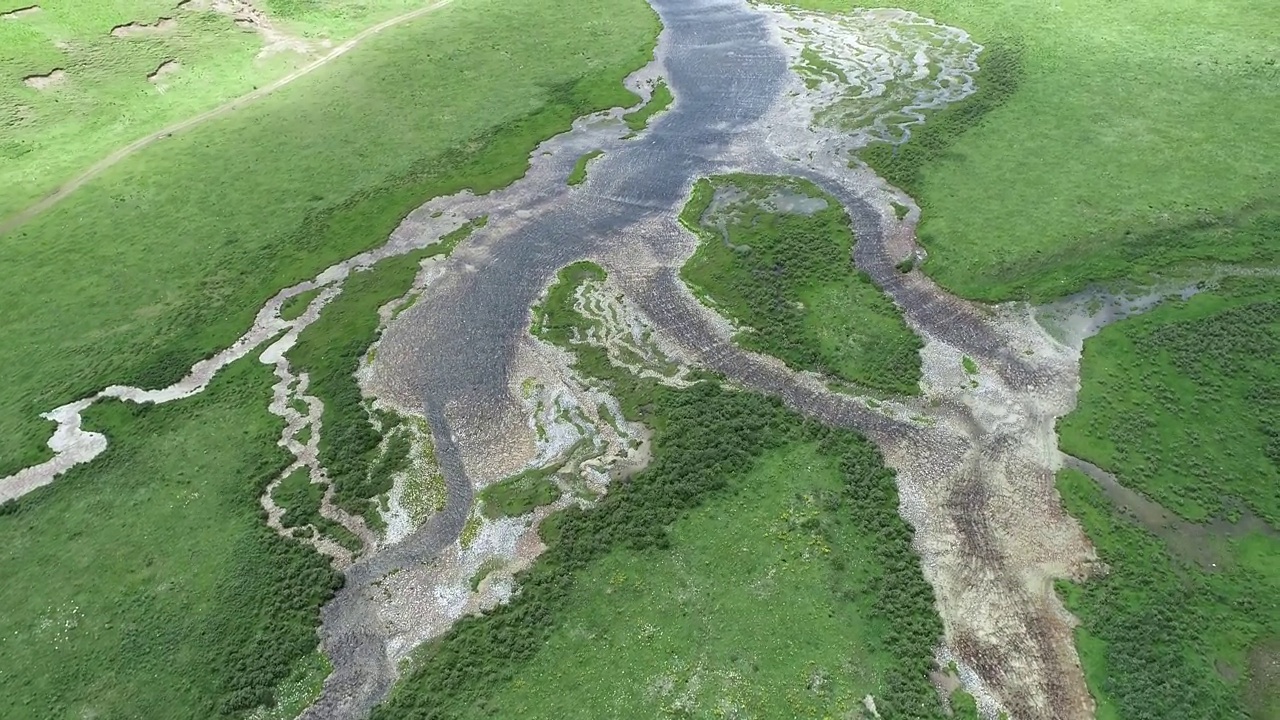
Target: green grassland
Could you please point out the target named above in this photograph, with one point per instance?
(790, 278)
(519, 494)
(166, 256)
(578, 175)
(49, 135)
(1180, 404)
(147, 584)
(1163, 637)
(659, 101)
(757, 563)
(301, 499)
(679, 632)
(1107, 141)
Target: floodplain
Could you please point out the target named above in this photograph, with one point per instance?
(579, 377)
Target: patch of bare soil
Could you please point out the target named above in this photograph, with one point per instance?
(248, 16)
(1262, 688)
(168, 67)
(53, 78)
(162, 25)
(20, 12)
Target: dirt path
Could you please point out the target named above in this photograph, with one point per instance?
(64, 191)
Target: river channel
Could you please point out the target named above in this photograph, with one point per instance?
(975, 456)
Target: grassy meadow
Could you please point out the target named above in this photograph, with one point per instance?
(49, 135)
(789, 276)
(1180, 404)
(166, 256)
(147, 584)
(758, 565)
(519, 494)
(1112, 141)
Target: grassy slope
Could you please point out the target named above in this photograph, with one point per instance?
(147, 584)
(1071, 178)
(714, 483)
(1181, 403)
(199, 230)
(797, 288)
(48, 136)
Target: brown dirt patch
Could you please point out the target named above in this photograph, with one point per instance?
(51, 79)
(20, 12)
(1262, 689)
(164, 24)
(168, 67)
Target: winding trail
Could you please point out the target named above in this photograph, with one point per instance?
(65, 190)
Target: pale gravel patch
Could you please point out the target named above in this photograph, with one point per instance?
(20, 13)
(248, 16)
(422, 602)
(47, 81)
